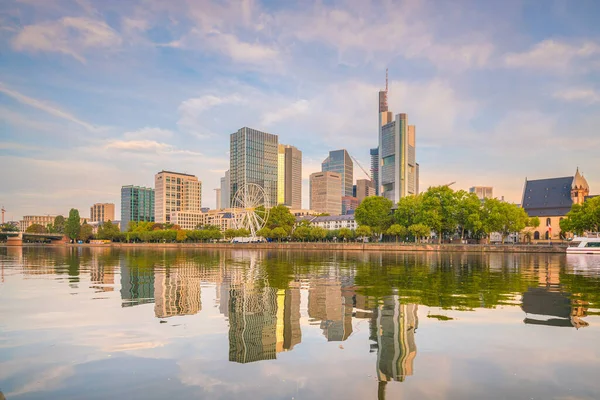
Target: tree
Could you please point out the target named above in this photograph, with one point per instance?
(533, 222)
(468, 212)
(438, 210)
(86, 232)
(583, 218)
(419, 231)
(181, 235)
(279, 233)
(302, 233)
(502, 217)
(264, 232)
(36, 228)
(317, 233)
(9, 228)
(59, 224)
(408, 210)
(374, 212)
(230, 233)
(397, 230)
(108, 231)
(364, 231)
(346, 234)
(72, 226)
(281, 217)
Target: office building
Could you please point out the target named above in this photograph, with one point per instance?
(289, 176)
(364, 188)
(225, 195)
(375, 169)
(137, 204)
(174, 191)
(417, 190)
(43, 220)
(339, 161)
(253, 159)
(349, 204)
(102, 212)
(483, 192)
(331, 222)
(398, 173)
(326, 192)
(218, 198)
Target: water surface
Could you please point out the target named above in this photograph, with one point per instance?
(153, 324)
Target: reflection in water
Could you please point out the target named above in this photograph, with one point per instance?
(263, 295)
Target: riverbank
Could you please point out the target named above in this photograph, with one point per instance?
(366, 247)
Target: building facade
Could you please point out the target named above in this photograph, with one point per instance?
(289, 176)
(102, 212)
(550, 200)
(326, 192)
(364, 188)
(253, 159)
(349, 204)
(43, 220)
(174, 191)
(225, 195)
(218, 198)
(483, 192)
(339, 161)
(331, 222)
(375, 169)
(397, 155)
(137, 204)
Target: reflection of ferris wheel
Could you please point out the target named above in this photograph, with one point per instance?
(246, 203)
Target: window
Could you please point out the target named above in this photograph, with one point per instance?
(548, 222)
(536, 235)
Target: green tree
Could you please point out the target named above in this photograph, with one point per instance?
(108, 231)
(438, 210)
(419, 231)
(317, 233)
(279, 233)
(468, 212)
(364, 231)
(9, 228)
(583, 218)
(243, 232)
(265, 232)
(346, 234)
(59, 224)
(72, 226)
(86, 232)
(302, 233)
(397, 230)
(35, 228)
(281, 217)
(181, 235)
(408, 210)
(533, 222)
(374, 212)
(230, 233)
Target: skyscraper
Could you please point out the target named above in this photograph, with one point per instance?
(174, 192)
(225, 189)
(218, 200)
(253, 159)
(339, 161)
(326, 192)
(375, 169)
(102, 212)
(364, 188)
(137, 204)
(398, 173)
(483, 192)
(289, 176)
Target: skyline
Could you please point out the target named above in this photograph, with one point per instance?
(99, 95)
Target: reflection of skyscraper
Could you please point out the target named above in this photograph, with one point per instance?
(327, 303)
(394, 330)
(101, 272)
(252, 324)
(288, 317)
(137, 285)
(177, 291)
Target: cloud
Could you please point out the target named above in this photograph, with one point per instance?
(553, 55)
(148, 133)
(295, 109)
(46, 107)
(583, 95)
(146, 146)
(192, 116)
(70, 35)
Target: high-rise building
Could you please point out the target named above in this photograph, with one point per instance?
(289, 176)
(326, 192)
(483, 192)
(398, 173)
(417, 190)
(218, 198)
(375, 169)
(253, 159)
(339, 161)
(364, 188)
(174, 192)
(349, 204)
(225, 195)
(137, 204)
(102, 212)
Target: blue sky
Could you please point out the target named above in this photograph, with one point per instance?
(99, 94)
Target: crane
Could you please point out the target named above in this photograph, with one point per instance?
(361, 167)
(450, 184)
(3, 211)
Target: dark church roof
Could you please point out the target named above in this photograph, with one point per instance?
(548, 197)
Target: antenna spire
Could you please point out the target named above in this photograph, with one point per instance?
(386, 80)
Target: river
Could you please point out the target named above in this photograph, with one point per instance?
(109, 323)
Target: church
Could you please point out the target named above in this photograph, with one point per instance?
(551, 199)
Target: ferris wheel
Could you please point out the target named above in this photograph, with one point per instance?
(250, 208)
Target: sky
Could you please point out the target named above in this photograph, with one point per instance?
(95, 95)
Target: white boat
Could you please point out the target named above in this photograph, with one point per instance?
(587, 245)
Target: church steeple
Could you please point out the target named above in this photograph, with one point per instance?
(579, 188)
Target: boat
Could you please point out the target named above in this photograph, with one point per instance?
(589, 244)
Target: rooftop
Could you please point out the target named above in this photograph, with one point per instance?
(548, 197)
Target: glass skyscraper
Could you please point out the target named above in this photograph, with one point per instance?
(339, 161)
(253, 159)
(137, 204)
(375, 169)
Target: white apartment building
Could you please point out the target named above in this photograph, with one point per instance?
(174, 192)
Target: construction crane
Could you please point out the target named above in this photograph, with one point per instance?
(3, 211)
(361, 167)
(450, 184)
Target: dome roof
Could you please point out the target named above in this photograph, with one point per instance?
(579, 181)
